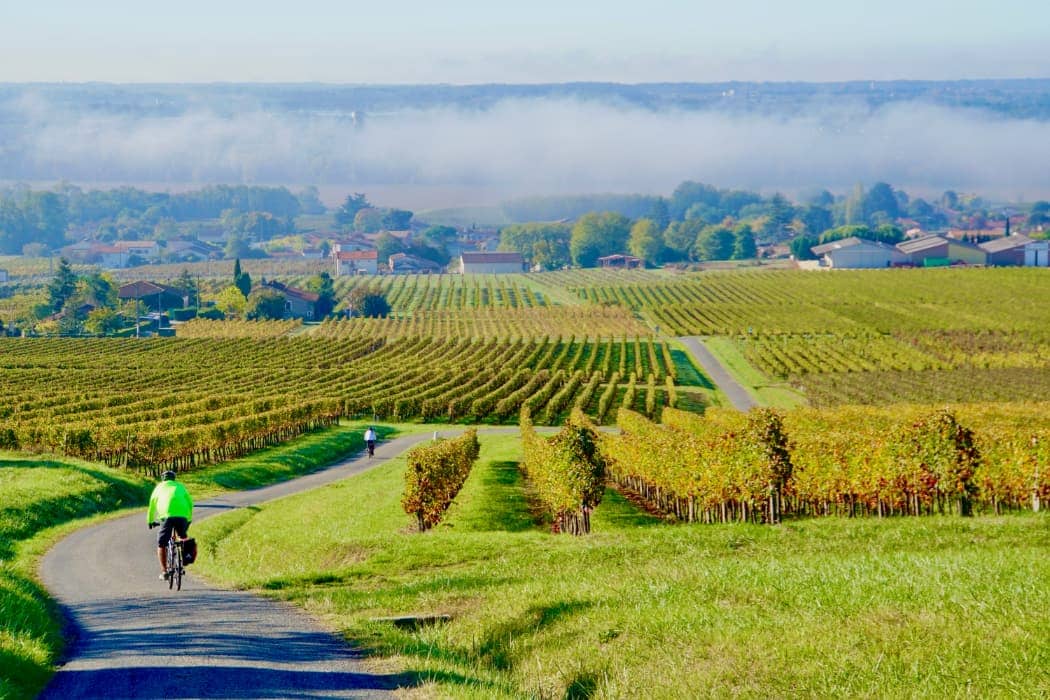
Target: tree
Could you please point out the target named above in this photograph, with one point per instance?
(596, 235)
(1039, 214)
(264, 304)
(659, 214)
(817, 219)
(345, 215)
(881, 199)
(102, 321)
(680, 237)
(231, 302)
(241, 280)
(744, 247)
(689, 193)
(646, 241)
(13, 230)
(46, 213)
(439, 236)
(396, 219)
(62, 286)
(310, 201)
(323, 286)
(368, 220)
(800, 247)
(781, 214)
(237, 246)
(388, 244)
(368, 301)
(854, 212)
(188, 286)
(715, 243)
(543, 245)
(97, 289)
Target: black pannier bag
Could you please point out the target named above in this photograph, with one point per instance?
(189, 551)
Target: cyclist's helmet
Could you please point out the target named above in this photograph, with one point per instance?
(168, 476)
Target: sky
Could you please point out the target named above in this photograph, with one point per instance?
(538, 41)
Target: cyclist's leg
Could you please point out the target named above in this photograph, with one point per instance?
(162, 544)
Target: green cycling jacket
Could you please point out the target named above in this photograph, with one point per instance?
(169, 499)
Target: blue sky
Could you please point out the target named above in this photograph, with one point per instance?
(470, 41)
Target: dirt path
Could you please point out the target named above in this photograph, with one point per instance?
(741, 399)
(133, 638)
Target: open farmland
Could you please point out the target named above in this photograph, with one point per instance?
(184, 401)
(871, 337)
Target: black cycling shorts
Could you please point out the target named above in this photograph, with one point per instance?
(178, 524)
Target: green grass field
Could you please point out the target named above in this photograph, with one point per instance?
(922, 607)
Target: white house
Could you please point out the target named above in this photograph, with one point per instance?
(490, 263)
(858, 253)
(1037, 254)
(353, 262)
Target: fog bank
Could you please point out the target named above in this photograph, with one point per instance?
(533, 146)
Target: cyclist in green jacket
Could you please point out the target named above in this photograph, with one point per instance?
(171, 507)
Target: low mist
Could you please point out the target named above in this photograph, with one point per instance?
(531, 146)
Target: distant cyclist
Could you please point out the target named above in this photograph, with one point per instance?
(370, 441)
(171, 507)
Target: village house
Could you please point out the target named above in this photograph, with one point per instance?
(190, 251)
(356, 262)
(858, 253)
(298, 303)
(490, 263)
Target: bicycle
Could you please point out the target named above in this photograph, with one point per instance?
(175, 565)
(371, 448)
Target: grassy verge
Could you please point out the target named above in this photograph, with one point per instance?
(42, 499)
(766, 391)
(695, 387)
(37, 494)
(903, 607)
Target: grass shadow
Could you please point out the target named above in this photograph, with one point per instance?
(499, 503)
(618, 513)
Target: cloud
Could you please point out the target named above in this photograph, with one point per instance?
(533, 146)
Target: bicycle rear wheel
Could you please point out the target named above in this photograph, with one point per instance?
(176, 573)
(171, 564)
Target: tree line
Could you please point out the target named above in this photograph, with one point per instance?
(701, 222)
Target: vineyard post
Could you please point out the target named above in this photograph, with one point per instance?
(1035, 479)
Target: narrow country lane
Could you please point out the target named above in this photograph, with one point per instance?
(741, 399)
(133, 638)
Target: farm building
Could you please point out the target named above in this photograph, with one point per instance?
(858, 253)
(620, 262)
(154, 296)
(405, 264)
(1037, 254)
(353, 262)
(1007, 250)
(932, 251)
(298, 303)
(490, 263)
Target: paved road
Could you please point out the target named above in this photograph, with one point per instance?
(741, 399)
(133, 638)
